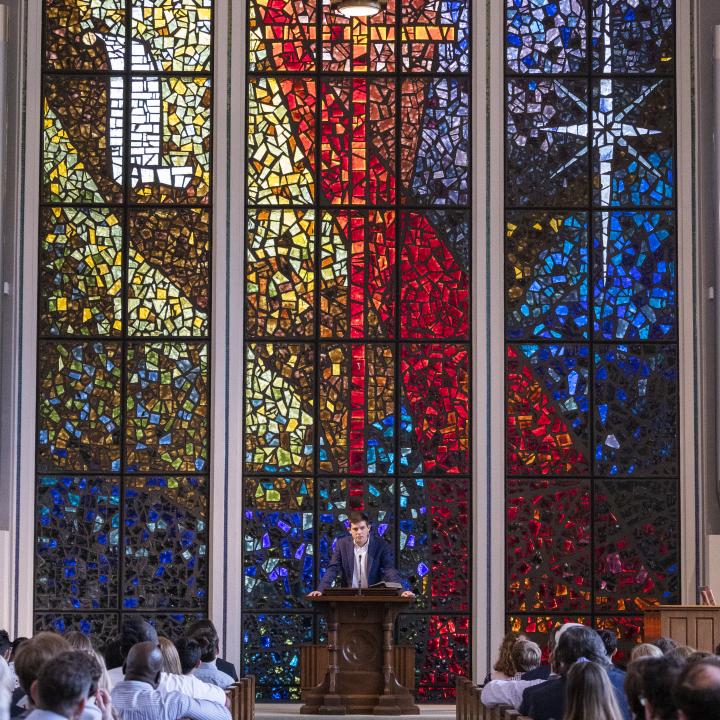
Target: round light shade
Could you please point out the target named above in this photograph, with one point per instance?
(358, 8)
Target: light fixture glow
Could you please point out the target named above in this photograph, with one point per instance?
(358, 8)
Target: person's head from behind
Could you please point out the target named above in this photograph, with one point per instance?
(63, 685)
(17, 643)
(504, 663)
(79, 641)
(682, 651)
(609, 641)
(525, 655)
(632, 685)
(5, 644)
(135, 630)
(208, 641)
(171, 660)
(144, 663)
(359, 527)
(34, 653)
(644, 650)
(589, 694)
(188, 651)
(575, 643)
(658, 676)
(697, 691)
(666, 644)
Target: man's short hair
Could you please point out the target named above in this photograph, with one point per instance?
(658, 676)
(63, 682)
(5, 642)
(357, 516)
(84, 659)
(525, 655)
(34, 653)
(135, 630)
(665, 644)
(208, 641)
(609, 640)
(189, 651)
(577, 642)
(697, 691)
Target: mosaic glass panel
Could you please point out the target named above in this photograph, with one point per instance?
(538, 627)
(166, 540)
(338, 498)
(279, 408)
(76, 539)
(357, 274)
(628, 631)
(435, 276)
(278, 537)
(101, 627)
(357, 301)
(271, 652)
(80, 120)
(435, 142)
(546, 275)
(280, 273)
(124, 252)
(79, 406)
(357, 141)
(547, 424)
(637, 545)
(591, 312)
(168, 272)
(549, 537)
(167, 388)
(174, 625)
(282, 35)
(434, 542)
(80, 271)
(636, 410)
(442, 647)
(634, 267)
(435, 37)
(633, 36)
(546, 37)
(356, 408)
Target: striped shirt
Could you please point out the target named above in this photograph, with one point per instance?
(135, 700)
(209, 673)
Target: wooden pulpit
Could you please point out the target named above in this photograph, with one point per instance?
(361, 677)
(695, 625)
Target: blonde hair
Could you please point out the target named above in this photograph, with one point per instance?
(171, 659)
(645, 650)
(504, 663)
(589, 694)
(104, 681)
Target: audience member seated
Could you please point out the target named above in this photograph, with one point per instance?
(30, 659)
(590, 695)
(609, 640)
(132, 631)
(682, 651)
(633, 688)
(97, 706)
(61, 690)
(227, 667)
(208, 671)
(645, 650)
(7, 685)
(546, 701)
(137, 696)
(189, 653)
(665, 644)
(79, 641)
(5, 645)
(544, 671)
(171, 661)
(658, 676)
(697, 692)
(525, 656)
(503, 668)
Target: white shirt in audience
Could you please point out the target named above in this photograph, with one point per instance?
(506, 692)
(37, 714)
(186, 684)
(209, 673)
(135, 700)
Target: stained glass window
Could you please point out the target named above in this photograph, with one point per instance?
(123, 324)
(591, 440)
(357, 319)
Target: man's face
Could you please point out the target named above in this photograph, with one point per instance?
(359, 532)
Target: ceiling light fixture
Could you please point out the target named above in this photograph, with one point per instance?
(358, 8)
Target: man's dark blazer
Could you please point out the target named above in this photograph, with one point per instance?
(546, 701)
(380, 563)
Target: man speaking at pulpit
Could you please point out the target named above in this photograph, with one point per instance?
(360, 559)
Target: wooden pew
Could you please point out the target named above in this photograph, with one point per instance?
(242, 698)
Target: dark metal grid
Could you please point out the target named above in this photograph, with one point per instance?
(125, 339)
(591, 210)
(400, 207)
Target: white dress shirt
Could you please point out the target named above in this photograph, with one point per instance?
(361, 554)
(506, 692)
(135, 700)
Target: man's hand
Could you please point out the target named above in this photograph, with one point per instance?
(407, 594)
(314, 593)
(102, 701)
